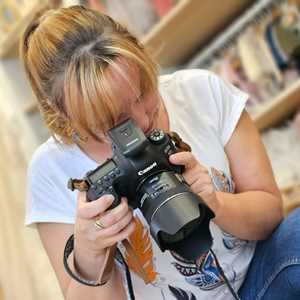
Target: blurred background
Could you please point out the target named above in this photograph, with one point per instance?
(255, 45)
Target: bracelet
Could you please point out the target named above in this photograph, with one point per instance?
(104, 274)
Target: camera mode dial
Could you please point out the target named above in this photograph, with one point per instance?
(157, 136)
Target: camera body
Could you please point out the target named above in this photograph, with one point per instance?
(135, 158)
(140, 170)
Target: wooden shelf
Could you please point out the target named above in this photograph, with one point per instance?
(279, 108)
(9, 44)
(188, 26)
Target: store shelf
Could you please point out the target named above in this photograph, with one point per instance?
(9, 44)
(188, 26)
(279, 108)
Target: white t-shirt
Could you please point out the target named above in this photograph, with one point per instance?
(204, 110)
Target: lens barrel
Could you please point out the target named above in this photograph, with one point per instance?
(178, 218)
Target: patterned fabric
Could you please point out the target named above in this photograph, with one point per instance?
(202, 273)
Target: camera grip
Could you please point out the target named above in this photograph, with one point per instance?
(94, 192)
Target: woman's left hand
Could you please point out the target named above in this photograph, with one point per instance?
(197, 176)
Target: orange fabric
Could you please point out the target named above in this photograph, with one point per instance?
(141, 243)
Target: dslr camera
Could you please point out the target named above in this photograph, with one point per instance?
(140, 170)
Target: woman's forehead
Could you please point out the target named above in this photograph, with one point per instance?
(124, 79)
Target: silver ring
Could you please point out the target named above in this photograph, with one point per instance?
(98, 224)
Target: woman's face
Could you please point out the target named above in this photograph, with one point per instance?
(142, 107)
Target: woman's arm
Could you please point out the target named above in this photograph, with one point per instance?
(256, 208)
(257, 204)
(54, 237)
(90, 246)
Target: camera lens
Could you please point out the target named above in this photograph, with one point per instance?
(183, 233)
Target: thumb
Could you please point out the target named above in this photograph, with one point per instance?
(183, 158)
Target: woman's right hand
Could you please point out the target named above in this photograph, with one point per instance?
(117, 222)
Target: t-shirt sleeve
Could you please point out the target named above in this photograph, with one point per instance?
(230, 103)
(47, 199)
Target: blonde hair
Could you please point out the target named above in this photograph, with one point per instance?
(65, 53)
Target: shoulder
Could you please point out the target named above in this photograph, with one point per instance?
(187, 76)
(49, 156)
(47, 197)
(198, 86)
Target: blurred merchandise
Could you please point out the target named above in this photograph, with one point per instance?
(66, 3)
(162, 7)
(283, 37)
(259, 52)
(284, 155)
(137, 15)
(296, 123)
(9, 15)
(252, 55)
(291, 197)
(95, 4)
(230, 69)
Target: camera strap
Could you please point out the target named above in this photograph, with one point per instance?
(179, 143)
(107, 267)
(72, 269)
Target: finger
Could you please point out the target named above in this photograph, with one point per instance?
(113, 216)
(198, 173)
(89, 210)
(183, 158)
(125, 233)
(116, 228)
(200, 186)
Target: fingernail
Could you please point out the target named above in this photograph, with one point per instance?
(110, 198)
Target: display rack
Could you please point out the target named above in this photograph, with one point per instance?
(279, 108)
(188, 26)
(275, 110)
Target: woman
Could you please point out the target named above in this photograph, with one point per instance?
(89, 74)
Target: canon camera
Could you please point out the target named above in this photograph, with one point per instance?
(140, 171)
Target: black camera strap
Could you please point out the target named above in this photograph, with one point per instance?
(121, 259)
(233, 292)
